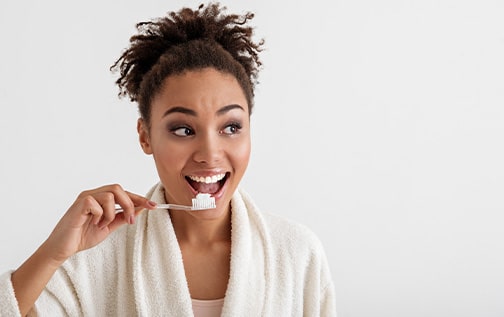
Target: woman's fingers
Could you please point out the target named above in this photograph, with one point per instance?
(131, 204)
(139, 203)
(93, 208)
(103, 209)
(106, 200)
(92, 217)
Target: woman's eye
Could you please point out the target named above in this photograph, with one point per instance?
(182, 131)
(232, 129)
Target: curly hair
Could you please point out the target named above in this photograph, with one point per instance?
(188, 40)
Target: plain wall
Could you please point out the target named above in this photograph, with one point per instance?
(378, 124)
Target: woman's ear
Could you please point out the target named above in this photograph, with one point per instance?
(143, 136)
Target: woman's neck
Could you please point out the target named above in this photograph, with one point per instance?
(193, 230)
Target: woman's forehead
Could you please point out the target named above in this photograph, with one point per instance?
(200, 90)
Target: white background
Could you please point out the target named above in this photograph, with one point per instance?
(378, 124)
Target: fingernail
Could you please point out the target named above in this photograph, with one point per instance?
(132, 219)
(151, 203)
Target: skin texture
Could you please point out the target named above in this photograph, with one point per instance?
(200, 126)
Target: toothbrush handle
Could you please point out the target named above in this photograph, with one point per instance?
(173, 206)
(164, 206)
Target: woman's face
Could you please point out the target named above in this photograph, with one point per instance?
(199, 137)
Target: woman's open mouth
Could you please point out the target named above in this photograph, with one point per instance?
(207, 184)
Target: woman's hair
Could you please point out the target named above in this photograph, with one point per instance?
(183, 41)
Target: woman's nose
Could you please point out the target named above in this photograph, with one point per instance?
(208, 149)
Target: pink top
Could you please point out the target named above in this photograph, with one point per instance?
(207, 308)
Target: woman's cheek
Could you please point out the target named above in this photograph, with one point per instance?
(242, 152)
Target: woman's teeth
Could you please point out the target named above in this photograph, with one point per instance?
(208, 179)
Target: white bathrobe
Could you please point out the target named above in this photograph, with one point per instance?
(278, 268)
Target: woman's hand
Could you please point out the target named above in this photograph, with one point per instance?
(91, 218)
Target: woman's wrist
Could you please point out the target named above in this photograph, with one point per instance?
(46, 254)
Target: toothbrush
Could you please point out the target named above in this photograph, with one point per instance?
(201, 202)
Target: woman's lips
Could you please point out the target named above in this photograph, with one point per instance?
(213, 184)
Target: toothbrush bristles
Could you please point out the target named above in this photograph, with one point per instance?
(203, 201)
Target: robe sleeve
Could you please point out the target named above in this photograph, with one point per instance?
(328, 301)
(8, 303)
(328, 292)
(48, 304)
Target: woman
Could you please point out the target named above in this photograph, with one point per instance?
(192, 74)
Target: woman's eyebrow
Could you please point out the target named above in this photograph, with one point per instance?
(180, 110)
(191, 112)
(228, 108)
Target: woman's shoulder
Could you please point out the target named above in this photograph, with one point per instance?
(290, 231)
(283, 232)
